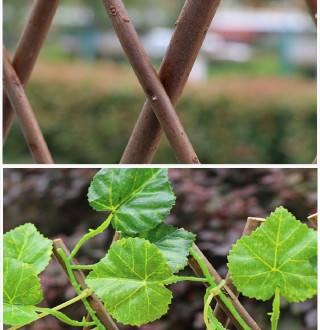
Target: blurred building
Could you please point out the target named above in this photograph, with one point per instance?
(239, 31)
(293, 28)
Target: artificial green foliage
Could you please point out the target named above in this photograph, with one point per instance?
(140, 199)
(26, 244)
(172, 242)
(129, 281)
(277, 254)
(21, 290)
(280, 257)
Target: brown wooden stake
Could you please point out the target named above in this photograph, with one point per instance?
(314, 219)
(190, 31)
(312, 5)
(93, 300)
(28, 49)
(116, 236)
(24, 113)
(251, 225)
(150, 82)
(234, 300)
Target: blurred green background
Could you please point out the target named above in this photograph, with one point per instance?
(212, 203)
(251, 99)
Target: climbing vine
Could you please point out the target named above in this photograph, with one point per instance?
(277, 259)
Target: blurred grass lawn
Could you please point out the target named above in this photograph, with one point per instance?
(244, 113)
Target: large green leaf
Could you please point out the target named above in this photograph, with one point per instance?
(172, 242)
(277, 254)
(18, 314)
(140, 198)
(26, 244)
(314, 263)
(129, 281)
(21, 290)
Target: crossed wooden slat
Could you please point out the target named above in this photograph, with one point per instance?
(150, 82)
(162, 91)
(37, 29)
(190, 31)
(28, 49)
(24, 113)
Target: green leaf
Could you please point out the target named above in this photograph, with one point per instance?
(314, 263)
(140, 198)
(277, 254)
(26, 244)
(18, 315)
(21, 290)
(173, 243)
(129, 281)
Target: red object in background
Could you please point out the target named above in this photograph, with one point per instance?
(238, 35)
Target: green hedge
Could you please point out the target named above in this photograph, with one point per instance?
(84, 125)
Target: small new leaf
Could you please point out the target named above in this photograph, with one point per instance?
(277, 254)
(21, 290)
(172, 242)
(129, 281)
(26, 244)
(139, 198)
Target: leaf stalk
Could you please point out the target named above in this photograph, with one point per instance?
(54, 311)
(183, 278)
(275, 309)
(89, 235)
(82, 266)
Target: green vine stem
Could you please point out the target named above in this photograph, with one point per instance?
(92, 233)
(207, 311)
(64, 318)
(275, 309)
(82, 266)
(54, 311)
(225, 300)
(214, 321)
(78, 288)
(203, 267)
(175, 279)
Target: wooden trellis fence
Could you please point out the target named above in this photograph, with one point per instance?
(162, 89)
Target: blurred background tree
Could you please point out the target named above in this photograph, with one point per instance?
(212, 203)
